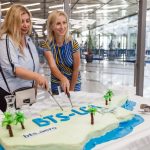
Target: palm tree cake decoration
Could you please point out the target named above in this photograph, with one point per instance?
(110, 94)
(19, 118)
(8, 121)
(92, 110)
(106, 97)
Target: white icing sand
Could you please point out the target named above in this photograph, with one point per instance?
(68, 135)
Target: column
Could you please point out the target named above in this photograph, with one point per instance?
(139, 70)
(67, 8)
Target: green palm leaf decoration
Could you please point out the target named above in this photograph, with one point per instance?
(92, 111)
(19, 118)
(7, 121)
(110, 93)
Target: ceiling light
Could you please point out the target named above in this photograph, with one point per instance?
(34, 9)
(38, 30)
(38, 19)
(115, 6)
(56, 6)
(39, 22)
(4, 9)
(4, 3)
(80, 11)
(36, 26)
(34, 4)
(58, 10)
(88, 6)
(25, 6)
(106, 11)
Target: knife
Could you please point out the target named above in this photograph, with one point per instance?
(55, 99)
(68, 95)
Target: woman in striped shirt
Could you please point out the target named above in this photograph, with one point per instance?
(65, 51)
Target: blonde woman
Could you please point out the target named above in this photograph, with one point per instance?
(18, 56)
(65, 51)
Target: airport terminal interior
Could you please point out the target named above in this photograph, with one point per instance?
(107, 32)
(114, 42)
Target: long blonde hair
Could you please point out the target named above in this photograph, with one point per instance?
(12, 24)
(51, 20)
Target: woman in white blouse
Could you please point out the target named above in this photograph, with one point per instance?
(18, 56)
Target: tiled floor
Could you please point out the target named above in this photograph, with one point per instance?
(98, 76)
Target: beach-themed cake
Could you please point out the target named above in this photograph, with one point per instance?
(50, 128)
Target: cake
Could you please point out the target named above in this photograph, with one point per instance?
(69, 129)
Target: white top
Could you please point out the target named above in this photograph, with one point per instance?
(18, 60)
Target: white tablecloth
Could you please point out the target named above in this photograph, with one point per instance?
(139, 139)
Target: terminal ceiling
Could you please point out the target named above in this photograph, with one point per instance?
(81, 20)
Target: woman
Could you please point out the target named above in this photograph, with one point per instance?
(65, 51)
(18, 56)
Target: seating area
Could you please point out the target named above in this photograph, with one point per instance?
(128, 55)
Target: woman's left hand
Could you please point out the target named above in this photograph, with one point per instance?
(71, 88)
(65, 84)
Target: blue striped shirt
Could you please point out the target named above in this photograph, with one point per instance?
(64, 60)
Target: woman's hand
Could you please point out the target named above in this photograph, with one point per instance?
(71, 88)
(65, 84)
(30, 75)
(41, 81)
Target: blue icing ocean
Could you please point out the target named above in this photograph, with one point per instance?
(1, 148)
(123, 129)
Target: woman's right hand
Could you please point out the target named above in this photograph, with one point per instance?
(41, 81)
(65, 84)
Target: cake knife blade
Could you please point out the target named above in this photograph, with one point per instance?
(55, 99)
(68, 95)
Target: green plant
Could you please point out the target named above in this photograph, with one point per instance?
(19, 118)
(89, 55)
(110, 94)
(90, 46)
(7, 121)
